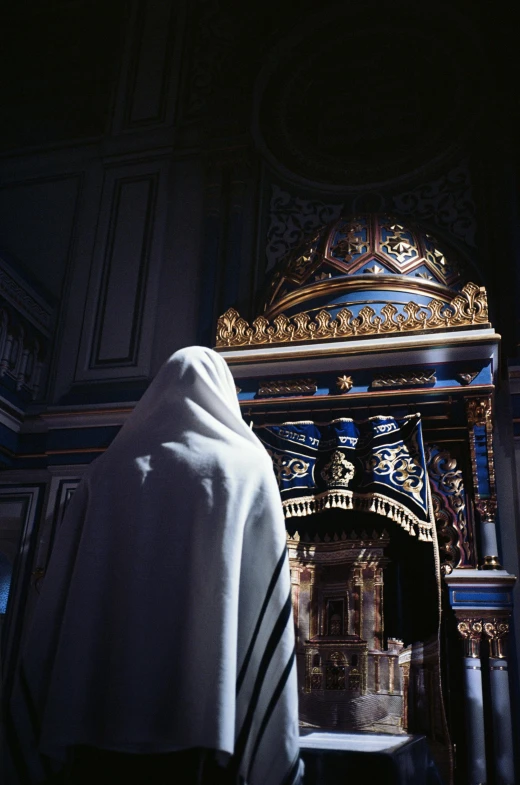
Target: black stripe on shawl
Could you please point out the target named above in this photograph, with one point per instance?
(12, 735)
(272, 643)
(272, 703)
(31, 708)
(13, 743)
(270, 590)
(290, 779)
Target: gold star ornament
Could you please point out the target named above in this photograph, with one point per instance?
(344, 383)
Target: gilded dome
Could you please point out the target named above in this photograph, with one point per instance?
(364, 253)
(369, 274)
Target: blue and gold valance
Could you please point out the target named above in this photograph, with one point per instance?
(377, 465)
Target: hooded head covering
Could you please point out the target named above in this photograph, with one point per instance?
(164, 621)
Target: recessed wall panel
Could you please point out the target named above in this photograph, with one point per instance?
(123, 288)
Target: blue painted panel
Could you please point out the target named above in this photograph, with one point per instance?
(446, 375)
(479, 597)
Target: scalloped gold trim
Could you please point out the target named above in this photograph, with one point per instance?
(467, 308)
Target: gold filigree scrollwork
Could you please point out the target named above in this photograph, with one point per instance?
(288, 468)
(302, 261)
(287, 387)
(467, 308)
(405, 472)
(496, 630)
(338, 471)
(470, 304)
(478, 413)
(470, 631)
(412, 379)
(478, 410)
(449, 508)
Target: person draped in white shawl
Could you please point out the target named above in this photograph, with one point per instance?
(165, 620)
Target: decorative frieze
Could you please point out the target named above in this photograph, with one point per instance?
(292, 216)
(478, 410)
(448, 200)
(419, 378)
(467, 378)
(292, 219)
(467, 308)
(287, 387)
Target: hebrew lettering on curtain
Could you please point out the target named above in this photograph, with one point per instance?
(376, 465)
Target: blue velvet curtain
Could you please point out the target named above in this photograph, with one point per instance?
(376, 465)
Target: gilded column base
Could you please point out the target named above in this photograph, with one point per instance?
(491, 563)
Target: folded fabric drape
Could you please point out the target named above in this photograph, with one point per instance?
(164, 621)
(375, 465)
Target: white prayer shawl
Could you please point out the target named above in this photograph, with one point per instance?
(165, 617)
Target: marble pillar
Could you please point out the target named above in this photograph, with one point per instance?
(471, 632)
(496, 630)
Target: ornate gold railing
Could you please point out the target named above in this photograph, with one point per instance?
(467, 308)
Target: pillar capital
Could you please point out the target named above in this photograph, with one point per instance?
(478, 410)
(470, 631)
(496, 631)
(487, 509)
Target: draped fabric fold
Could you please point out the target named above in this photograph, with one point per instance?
(163, 622)
(375, 465)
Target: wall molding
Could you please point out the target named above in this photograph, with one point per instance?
(22, 297)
